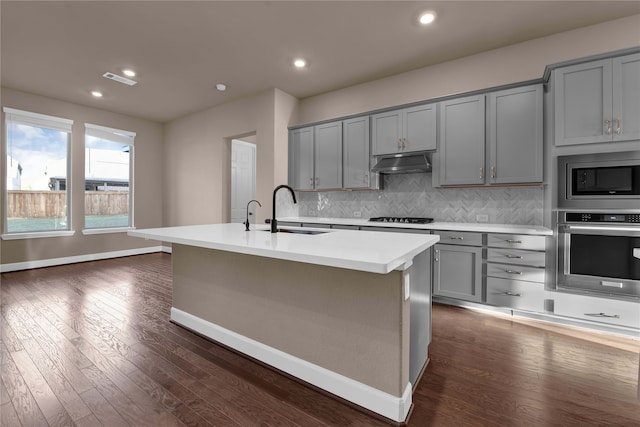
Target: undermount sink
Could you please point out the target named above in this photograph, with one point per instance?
(289, 230)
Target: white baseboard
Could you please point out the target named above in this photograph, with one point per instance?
(4, 268)
(385, 404)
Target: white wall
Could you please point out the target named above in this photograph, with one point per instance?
(512, 64)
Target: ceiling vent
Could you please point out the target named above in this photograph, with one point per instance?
(119, 79)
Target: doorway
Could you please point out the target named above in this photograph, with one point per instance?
(243, 180)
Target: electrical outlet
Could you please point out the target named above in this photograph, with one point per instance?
(357, 214)
(312, 212)
(482, 218)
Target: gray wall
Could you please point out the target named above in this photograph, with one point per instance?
(413, 195)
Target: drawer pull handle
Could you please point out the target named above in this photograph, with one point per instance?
(513, 256)
(612, 316)
(456, 238)
(612, 284)
(513, 241)
(513, 272)
(511, 294)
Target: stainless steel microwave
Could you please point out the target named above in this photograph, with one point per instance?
(599, 181)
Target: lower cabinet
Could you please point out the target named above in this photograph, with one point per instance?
(457, 272)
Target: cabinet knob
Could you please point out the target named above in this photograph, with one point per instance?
(481, 173)
(608, 124)
(513, 256)
(493, 172)
(513, 272)
(456, 238)
(513, 241)
(511, 294)
(618, 128)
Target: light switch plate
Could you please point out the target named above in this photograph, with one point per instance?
(407, 286)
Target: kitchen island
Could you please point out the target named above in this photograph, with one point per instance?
(330, 307)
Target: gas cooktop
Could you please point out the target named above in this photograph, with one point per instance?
(401, 220)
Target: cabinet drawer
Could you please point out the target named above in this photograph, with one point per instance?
(595, 309)
(515, 272)
(516, 256)
(516, 241)
(460, 238)
(515, 294)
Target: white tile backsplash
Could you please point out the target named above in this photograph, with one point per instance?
(413, 195)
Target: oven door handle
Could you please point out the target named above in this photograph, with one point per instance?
(603, 230)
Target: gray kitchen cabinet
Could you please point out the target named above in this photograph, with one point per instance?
(516, 271)
(462, 141)
(406, 130)
(597, 101)
(301, 155)
(515, 135)
(457, 268)
(315, 157)
(356, 153)
(328, 156)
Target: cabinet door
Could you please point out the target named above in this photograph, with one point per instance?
(328, 156)
(515, 135)
(457, 272)
(419, 128)
(356, 155)
(301, 159)
(386, 132)
(462, 144)
(583, 99)
(626, 98)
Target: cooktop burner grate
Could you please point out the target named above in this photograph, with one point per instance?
(402, 220)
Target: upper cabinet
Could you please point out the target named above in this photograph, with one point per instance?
(512, 123)
(331, 156)
(405, 130)
(301, 174)
(598, 101)
(462, 141)
(328, 156)
(356, 153)
(515, 129)
(315, 157)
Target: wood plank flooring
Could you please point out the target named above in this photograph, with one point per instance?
(90, 344)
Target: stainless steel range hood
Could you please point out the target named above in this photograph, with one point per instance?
(403, 163)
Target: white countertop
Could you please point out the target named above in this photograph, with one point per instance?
(371, 251)
(436, 225)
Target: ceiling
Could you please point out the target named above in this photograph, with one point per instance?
(181, 49)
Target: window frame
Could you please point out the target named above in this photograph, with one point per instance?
(119, 136)
(12, 115)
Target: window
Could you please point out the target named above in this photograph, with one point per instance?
(108, 186)
(37, 164)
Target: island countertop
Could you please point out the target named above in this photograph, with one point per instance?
(370, 251)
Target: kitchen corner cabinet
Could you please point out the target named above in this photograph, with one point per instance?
(515, 135)
(356, 153)
(597, 101)
(457, 266)
(406, 130)
(315, 157)
(462, 141)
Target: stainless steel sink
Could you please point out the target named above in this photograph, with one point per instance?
(289, 230)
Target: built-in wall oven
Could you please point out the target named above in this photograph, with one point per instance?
(598, 224)
(599, 253)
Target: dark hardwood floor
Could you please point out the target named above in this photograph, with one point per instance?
(90, 344)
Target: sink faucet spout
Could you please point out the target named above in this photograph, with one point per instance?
(248, 213)
(274, 222)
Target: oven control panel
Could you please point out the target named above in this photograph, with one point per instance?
(603, 217)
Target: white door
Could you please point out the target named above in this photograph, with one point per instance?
(243, 180)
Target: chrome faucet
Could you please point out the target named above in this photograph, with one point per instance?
(274, 222)
(247, 221)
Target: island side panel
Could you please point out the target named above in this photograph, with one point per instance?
(351, 322)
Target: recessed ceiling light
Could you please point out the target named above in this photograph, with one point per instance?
(96, 94)
(221, 87)
(129, 73)
(300, 63)
(427, 18)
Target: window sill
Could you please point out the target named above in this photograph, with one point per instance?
(37, 234)
(90, 231)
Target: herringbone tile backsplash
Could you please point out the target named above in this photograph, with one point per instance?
(412, 195)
